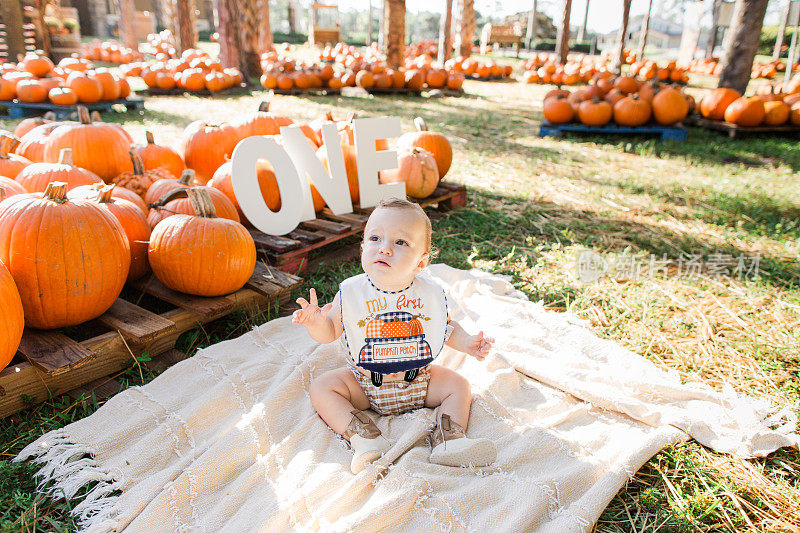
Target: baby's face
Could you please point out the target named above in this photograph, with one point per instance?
(394, 248)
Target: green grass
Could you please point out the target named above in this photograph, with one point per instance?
(533, 204)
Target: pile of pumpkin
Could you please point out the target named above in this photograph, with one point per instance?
(194, 71)
(706, 65)
(768, 108)
(110, 52)
(545, 68)
(109, 211)
(160, 45)
(649, 70)
(35, 79)
(766, 70)
(623, 99)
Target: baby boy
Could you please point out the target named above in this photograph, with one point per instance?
(395, 322)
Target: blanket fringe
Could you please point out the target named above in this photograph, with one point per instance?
(69, 467)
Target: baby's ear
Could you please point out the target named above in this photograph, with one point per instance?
(423, 261)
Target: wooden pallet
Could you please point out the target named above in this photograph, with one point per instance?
(49, 363)
(490, 78)
(291, 252)
(734, 130)
(315, 91)
(392, 90)
(179, 91)
(673, 133)
(17, 109)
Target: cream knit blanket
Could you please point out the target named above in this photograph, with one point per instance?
(228, 441)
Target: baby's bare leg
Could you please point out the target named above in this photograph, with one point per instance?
(334, 395)
(452, 391)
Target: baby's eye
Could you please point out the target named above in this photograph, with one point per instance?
(373, 237)
(401, 242)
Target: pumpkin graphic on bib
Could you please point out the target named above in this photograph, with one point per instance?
(391, 330)
(374, 328)
(416, 327)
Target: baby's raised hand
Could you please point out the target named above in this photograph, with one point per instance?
(310, 314)
(479, 346)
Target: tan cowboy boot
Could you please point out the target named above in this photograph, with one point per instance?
(366, 439)
(452, 447)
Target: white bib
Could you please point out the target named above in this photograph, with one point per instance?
(388, 332)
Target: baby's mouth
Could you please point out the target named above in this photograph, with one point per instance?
(381, 262)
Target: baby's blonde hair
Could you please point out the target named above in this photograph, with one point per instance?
(405, 205)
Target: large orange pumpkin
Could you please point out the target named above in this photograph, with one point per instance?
(96, 146)
(9, 187)
(745, 111)
(716, 101)
(669, 106)
(12, 318)
(202, 255)
(631, 111)
(87, 89)
(28, 124)
(37, 176)
(776, 113)
(134, 224)
(595, 112)
(156, 156)
(89, 192)
(417, 169)
(31, 145)
(11, 164)
(176, 201)
(434, 142)
(262, 122)
(557, 110)
(69, 259)
(205, 145)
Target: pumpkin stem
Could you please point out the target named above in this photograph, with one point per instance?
(201, 203)
(104, 194)
(419, 122)
(167, 196)
(65, 156)
(186, 177)
(8, 143)
(83, 115)
(56, 191)
(138, 164)
(329, 116)
(264, 106)
(149, 136)
(2, 193)
(96, 116)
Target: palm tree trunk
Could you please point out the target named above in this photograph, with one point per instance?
(466, 27)
(712, 36)
(617, 60)
(368, 40)
(445, 45)
(776, 53)
(127, 33)
(741, 43)
(186, 37)
(643, 33)
(230, 46)
(11, 13)
(562, 41)
(265, 42)
(530, 31)
(291, 16)
(582, 32)
(395, 31)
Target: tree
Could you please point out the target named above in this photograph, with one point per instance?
(741, 43)
(582, 32)
(643, 33)
(369, 23)
(712, 35)
(776, 53)
(395, 31)
(290, 16)
(185, 37)
(127, 33)
(617, 60)
(466, 27)
(11, 13)
(445, 44)
(530, 31)
(562, 40)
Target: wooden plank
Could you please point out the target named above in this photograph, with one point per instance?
(198, 304)
(111, 355)
(52, 351)
(102, 388)
(136, 324)
(277, 276)
(308, 237)
(163, 361)
(274, 242)
(327, 225)
(263, 281)
(348, 218)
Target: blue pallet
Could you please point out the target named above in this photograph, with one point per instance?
(672, 133)
(17, 109)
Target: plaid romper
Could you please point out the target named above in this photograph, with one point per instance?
(391, 338)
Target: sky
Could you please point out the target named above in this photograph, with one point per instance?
(604, 15)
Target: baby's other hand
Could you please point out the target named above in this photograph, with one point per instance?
(479, 346)
(310, 314)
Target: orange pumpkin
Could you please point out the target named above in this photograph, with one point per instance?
(77, 261)
(558, 110)
(37, 176)
(434, 142)
(11, 164)
(139, 180)
(776, 113)
(219, 263)
(31, 91)
(745, 111)
(417, 169)
(89, 192)
(262, 122)
(88, 90)
(12, 317)
(205, 145)
(28, 124)
(716, 101)
(267, 182)
(669, 106)
(156, 156)
(176, 201)
(108, 83)
(63, 96)
(630, 111)
(162, 186)
(595, 112)
(133, 223)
